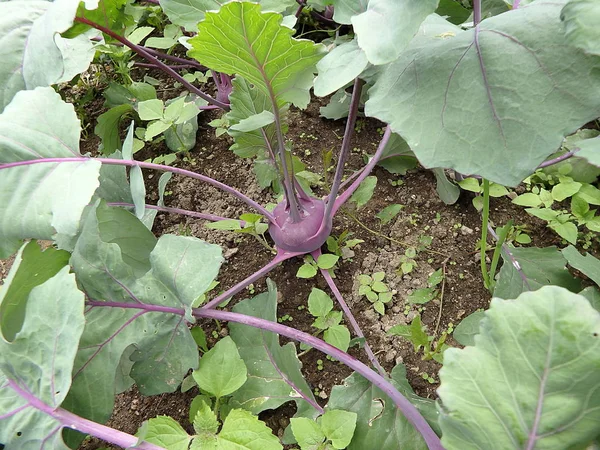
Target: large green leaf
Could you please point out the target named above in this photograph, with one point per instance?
(159, 348)
(344, 10)
(274, 375)
(532, 380)
(43, 201)
(461, 102)
(260, 49)
(40, 361)
(387, 26)
(31, 267)
(538, 267)
(380, 424)
(243, 431)
(590, 150)
(581, 19)
(588, 264)
(32, 54)
(339, 67)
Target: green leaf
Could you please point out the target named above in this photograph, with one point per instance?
(254, 122)
(593, 295)
(339, 67)
(338, 427)
(338, 106)
(52, 327)
(274, 374)
(497, 190)
(581, 18)
(421, 296)
(260, 49)
(344, 10)
(243, 431)
(364, 192)
(567, 231)
(540, 267)
(332, 318)
(379, 286)
(30, 29)
(452, 8)
(438, 78)
(388, 213)
(468, 328)
(327, 261)
(338, 336)
(205, 421)
(221, 371)
(435, 278)
(588, 265)
(590, 150)
(546, 349)
(579, 207)
(306, 271)
(31, 267)
(108, 130)
(319, 303)
(400, 18)
(528, 199)
(307, 432)
(470, 184)
(446, 189)
(590, 194)
(378, 276)
(227, 224)
(378, 306)
(365, 280)
(166, 432)
(565, 190)
(546, 214)
(378, 425)
(200, 338)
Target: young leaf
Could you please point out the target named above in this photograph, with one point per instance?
(307, 432)
(258, 48)
(378, 306)
(567, 231)
(364, 192)
(388, 213)
(166, 432)
(221, 371)
(470, 184)
(435, 278)
(422, 295)
(546, 345)
(151, 109)
(319, 303)
(332, 319)
(306, 271)
(327, 261)
(339, 427)
(197, 404)
(379, 286)
(338, 336)
(243, 431)
(528, 199)
(205, 420)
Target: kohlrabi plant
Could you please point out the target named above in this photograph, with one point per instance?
(108, 305)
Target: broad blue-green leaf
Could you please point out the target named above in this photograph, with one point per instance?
(107, 127)
(515, 115)
(364, 192)
(446, 189)
(221, 370)
(588, 264)
(539, 266)
(468, 328)
(397, 156)
(344, 10)
(532, 380)
(274, 375)
(257, 47)
(340, 67)
(243, 431)
(385, 29)
(31, 267)
(592, 293)
(581, 18)
(40, 361)
(188, 13)
(338, 106)
(380, 424)
(43, 201)
(590, 150)
(454, 10)
(31, 56)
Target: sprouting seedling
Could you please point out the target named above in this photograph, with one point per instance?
(327, 320)
(342, 246)
(416, 333)
(376, 291)
(310, 267)
(426, 294)
(332, 430)
(248, 223)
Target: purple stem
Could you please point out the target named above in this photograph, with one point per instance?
(366, 171)
(85, 426)
(279, 258)
(345, 149)
(307, 398)
(350, 317)
(159, 64)
(154, 2)
(411, 413)
(558, 159)
(184, 212)
(224, 86)
(476, 12)
(175, 59)
(145, 165)
(516, 4)
(172, 66)
(301, 6)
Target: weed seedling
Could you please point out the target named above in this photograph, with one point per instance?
(376, 291)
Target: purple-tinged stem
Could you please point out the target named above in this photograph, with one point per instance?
(301, 6)
(224, 86)
(345, 149)
(176, 59)
(172, 66)
(516, 4)
(183, 212)
(85, 426)
(159, 64)
(285, 378)
(279, 258)
(476, 12)
(154, 2)
(367, 170)
(350, 317)
(558, 159)
(411, 413)
(145, 165)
